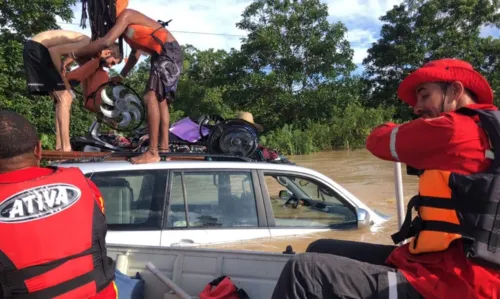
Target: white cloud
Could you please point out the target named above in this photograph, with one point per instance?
(356, 9)
(360, 40)
(193, 18)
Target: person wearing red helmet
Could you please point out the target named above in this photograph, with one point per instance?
(453, 240)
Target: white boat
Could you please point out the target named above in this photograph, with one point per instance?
(183, 272)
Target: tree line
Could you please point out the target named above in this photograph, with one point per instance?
(294, 70)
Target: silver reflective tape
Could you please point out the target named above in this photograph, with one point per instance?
(392, 144)
(393, 285)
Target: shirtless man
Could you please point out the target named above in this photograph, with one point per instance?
(142, 34)
(42, 63)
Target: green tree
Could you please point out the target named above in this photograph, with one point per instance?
(418, 31)
(290, 52)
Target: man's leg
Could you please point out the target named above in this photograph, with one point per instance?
(316, 276)
(164, 127)
(63, 112)
(378, 253)
(152, 107)
(58, 128)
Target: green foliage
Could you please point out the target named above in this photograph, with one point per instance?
(418, 31)
(348, 129)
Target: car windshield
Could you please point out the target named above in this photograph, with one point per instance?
(305, 200)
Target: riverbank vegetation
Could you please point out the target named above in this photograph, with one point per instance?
(294, 70)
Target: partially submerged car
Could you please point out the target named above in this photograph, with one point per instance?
(192, 202)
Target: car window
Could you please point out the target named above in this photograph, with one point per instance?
(212, 199)
(303, 202)
(132, 198)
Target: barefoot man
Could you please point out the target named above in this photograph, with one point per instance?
(145, 35)
(42, 64)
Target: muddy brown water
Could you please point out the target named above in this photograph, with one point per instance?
(365, 176)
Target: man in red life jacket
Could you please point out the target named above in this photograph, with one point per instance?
(438, 262)
(144, 35)
(52, 224)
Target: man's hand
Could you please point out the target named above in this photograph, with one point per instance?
(116, 79)
(65, 63)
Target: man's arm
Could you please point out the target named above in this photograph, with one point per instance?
(414, 142)
(127, 17)
(131, 62)
(84, 71)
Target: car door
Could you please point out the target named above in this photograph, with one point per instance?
(213, 206)
(133, 204)
(300, 204)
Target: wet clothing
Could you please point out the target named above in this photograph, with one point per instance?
(42, 77)
(92, 76)
(165, 71)
(43, 254)
(320, 275)
(166, 59)
(451, 142)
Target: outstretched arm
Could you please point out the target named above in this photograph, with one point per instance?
(127, 17)
(418, 143)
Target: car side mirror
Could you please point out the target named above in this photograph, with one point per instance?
(284, 194)
(363, 218)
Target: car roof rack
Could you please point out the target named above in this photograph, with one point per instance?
(81, 157)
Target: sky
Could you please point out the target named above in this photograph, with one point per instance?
(213, 25)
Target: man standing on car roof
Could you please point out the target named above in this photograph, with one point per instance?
(442, 140)
(52, 223)
(147, 36)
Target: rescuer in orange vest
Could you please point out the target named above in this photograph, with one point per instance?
(454, 250)
(144, 35)
(52, 224)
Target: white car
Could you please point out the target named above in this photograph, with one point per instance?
(199, 202)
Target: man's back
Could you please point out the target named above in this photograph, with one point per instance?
(52, 223)
(53, 38)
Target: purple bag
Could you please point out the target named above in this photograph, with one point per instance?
(188, 130)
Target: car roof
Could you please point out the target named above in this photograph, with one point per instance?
(87, 167)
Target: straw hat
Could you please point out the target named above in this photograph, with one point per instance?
(446, 70)
(248, 117)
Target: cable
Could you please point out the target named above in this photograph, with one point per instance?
(177, 31)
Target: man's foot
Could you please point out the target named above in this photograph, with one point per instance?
(146, 157)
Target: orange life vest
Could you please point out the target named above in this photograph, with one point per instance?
(53, 238)
(146, 38)
(453, 206)
(434, 183)
(120, 6)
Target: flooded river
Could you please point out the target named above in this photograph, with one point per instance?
(365, 176)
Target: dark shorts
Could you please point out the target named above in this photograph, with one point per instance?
(42, 78)
(165, 71)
